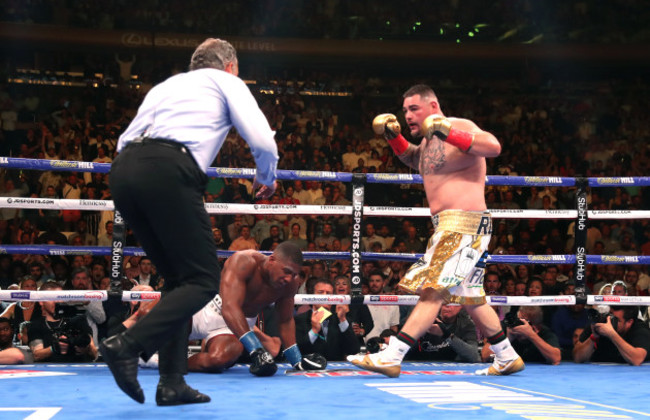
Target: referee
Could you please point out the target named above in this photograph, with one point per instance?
(157, 183)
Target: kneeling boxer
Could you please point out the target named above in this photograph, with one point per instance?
(251, 281)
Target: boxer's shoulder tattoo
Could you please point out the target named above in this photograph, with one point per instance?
(433, 158)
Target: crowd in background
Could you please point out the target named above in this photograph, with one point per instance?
(502, 21)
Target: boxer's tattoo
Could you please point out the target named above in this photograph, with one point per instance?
(411, 156)
(433, 158)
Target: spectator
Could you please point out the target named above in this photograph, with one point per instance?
(19, 312)
(383, 316)
(632, 282)
(385, 233)
(296, 238)
(87, 238)
(412, 242)
(106, 239)
(492, 284)
(262, 228)
(372, 237)
(218, 238)
(627, 246)
(244, 240)
(535, 287)
(550, 284)
(37, 273)
(326, 238)
(520, 288)
(509, 287)
(273, 239)
(359, 316)
(315, 192)
(97, 273)
(9, 354)
(319, 332)
(300, 193)
(71, 191)
(619, 288)
(9, 214)
(234, 228)
(147, 273)
(288, 196)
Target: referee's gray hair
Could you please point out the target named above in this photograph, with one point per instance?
(213, 53)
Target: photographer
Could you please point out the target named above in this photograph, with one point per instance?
(451, 337)
(618, 336)
(60, 336)
(533, 340)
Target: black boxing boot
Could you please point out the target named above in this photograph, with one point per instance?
(172, 390)
(120, 353)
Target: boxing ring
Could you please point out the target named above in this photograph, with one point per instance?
(425, 390)
(444, 390)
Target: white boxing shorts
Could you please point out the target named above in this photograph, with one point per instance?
(454, 262)
(208, 322)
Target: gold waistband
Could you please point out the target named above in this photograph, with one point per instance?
(465, 222)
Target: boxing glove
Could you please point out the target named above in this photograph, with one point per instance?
(388, 126)
(262, 363)
(439, 126)
(313, 361)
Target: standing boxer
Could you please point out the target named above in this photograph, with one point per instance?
(158, 182)
(451, 160)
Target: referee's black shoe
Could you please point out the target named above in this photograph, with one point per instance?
(172, 390)
(122, 359)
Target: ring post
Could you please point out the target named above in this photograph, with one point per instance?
(117, 255)
(358, 191)
(580, 244)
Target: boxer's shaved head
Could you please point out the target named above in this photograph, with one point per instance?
(423, 90)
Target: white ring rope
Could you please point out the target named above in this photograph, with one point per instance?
(304, 299)
(236, 208)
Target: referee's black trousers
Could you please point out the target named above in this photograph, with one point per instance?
(158, 190)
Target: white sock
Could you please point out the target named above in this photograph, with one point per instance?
(397, 349)
(504, 351)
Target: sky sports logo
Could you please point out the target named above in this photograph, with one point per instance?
(383, 298)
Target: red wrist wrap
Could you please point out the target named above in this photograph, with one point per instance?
(461, 139)
(399, 144)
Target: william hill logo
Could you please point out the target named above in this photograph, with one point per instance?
(69, 164)
(546, 258)
(542, 180)
(616, 258)
(615, 181)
